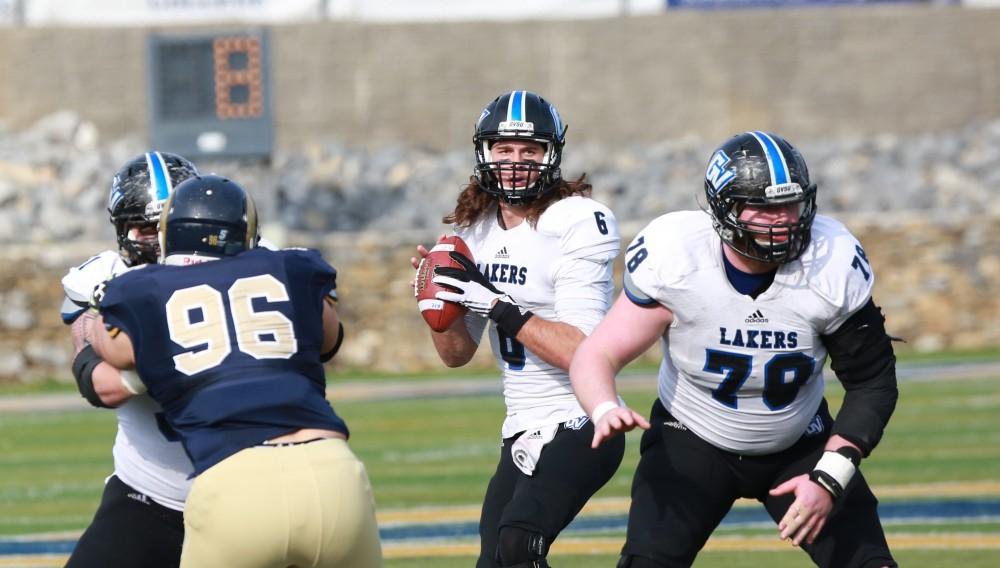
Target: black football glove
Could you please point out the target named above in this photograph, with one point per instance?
(475, 292)
(472, 289)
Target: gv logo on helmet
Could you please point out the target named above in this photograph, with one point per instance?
(717, 174)
(783, 190)
(516, 127)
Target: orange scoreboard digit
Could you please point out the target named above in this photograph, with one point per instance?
(210, 95)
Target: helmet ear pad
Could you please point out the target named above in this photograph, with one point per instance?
(519, 115)
(139, 190)
(760, 169)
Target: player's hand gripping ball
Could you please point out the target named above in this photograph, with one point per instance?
(439, 314)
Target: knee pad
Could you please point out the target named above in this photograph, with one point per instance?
(522, 548)
(629, 561)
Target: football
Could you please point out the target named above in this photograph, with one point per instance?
(438, 314)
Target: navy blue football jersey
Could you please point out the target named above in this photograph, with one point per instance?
(230, 348)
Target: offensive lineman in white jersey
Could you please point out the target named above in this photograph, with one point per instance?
(139, 522)
(543, 275)
(747, 300)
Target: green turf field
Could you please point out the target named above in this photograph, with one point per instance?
(441, 452)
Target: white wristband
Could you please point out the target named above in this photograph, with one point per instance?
(132, 382)
(601, 409)
(837, 466)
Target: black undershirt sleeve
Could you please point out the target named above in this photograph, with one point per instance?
(862, 357)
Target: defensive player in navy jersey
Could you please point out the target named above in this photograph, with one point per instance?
(233, 351)
(139, 523)
(748, 299)
(542, 280)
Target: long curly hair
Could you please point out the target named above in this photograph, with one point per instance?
(473, 203)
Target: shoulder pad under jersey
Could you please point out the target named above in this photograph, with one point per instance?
(665, 251)
(585, 228)
(79, 283)
(837, 268)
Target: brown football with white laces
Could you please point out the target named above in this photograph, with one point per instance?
(439, 314)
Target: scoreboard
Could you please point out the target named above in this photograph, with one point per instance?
(210, 95)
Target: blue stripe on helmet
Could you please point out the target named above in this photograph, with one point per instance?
(775, 157)
(159, 182)
(516, 110)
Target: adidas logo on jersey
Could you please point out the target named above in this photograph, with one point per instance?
(502, 253)
(756, 317)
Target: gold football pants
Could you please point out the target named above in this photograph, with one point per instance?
(275, 506)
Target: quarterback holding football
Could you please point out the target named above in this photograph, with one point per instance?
(540, 277)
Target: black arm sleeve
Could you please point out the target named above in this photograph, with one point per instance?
(861, 355)
(323, 358)
(83, 371)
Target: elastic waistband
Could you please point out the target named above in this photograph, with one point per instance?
(284, 444)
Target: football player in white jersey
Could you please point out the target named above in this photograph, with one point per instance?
(139, 522)
(748, 299)
(541, 281)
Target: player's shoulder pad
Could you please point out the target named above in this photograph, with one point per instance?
(836, 266)
(80, 281)
(585, 228)
(131, 282)
(666, 250)
(308, 259)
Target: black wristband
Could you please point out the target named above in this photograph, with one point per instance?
(850, 453)
(509, 318)
(83, 371)
(826, 481)
(324, 357)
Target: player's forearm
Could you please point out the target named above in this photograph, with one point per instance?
(836, 442)
(592, 375)
(80, 330)
(109, 387)
(554, 342)
(454, 345)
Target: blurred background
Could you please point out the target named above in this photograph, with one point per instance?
(350, 122)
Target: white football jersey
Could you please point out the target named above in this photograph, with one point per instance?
(144, 458)
(561, 270)
(745, 374)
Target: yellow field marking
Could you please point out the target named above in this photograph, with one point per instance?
(978, 489)
(614, 505)
(48, 560)
(456, 513)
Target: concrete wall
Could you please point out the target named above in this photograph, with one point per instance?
(937, 280)
(807, 73)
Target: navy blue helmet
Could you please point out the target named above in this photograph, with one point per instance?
(208, 216)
